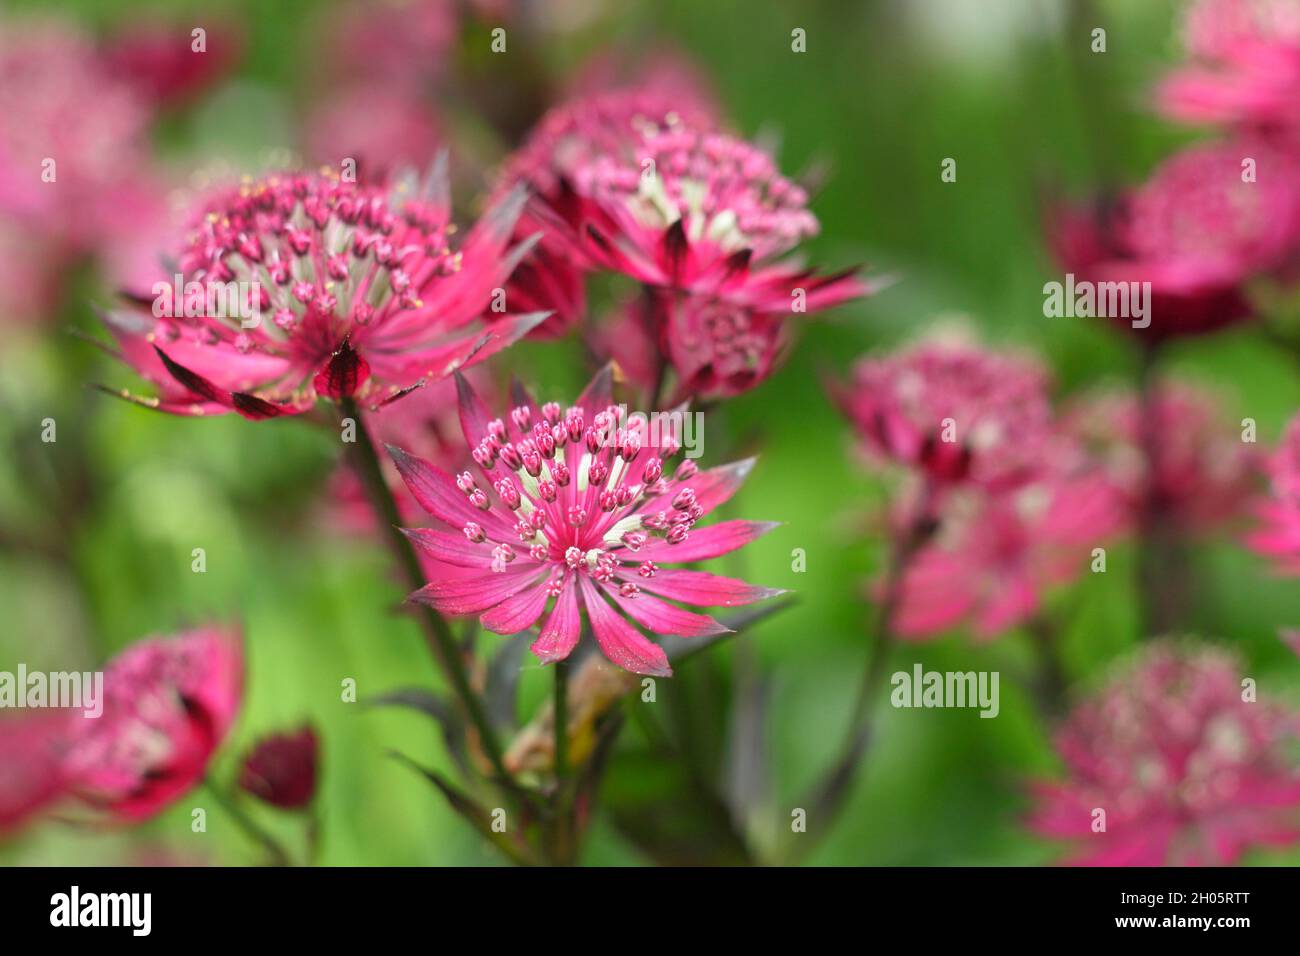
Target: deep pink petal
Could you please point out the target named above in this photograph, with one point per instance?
(562, 629)
(622, 643)
(478, 594)
(660, 617)
(710, 542)
(704, 589)
(517, 613)
(437, 494)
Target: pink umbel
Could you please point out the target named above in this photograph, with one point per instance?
(579, 510)
(952, 412)
(347, 291)
(1244, 68)
(168, 703)
(1186, 769)
(1207, 221)
(1277, 536)
(1205, 475)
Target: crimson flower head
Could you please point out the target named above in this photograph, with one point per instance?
(553, 276)
(1278, 535)
(281, 769)
(301, 286)
(1210, 219)
(994, 556)
(1204, 474)
(951, 412)
(1244, 70)
(1186, 771)
(169, 703)
(575, 514)
(704, 221)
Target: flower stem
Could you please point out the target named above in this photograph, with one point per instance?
(1158, 573)
(827, 800)
(366, 462)
(562, 835)
(561, 721)
(279, 856)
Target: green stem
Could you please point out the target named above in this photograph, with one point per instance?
(366, 461)
(279, 856)
(827, 799)
(561, 721)
(562, 846)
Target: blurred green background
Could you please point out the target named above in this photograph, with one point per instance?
(96, 531)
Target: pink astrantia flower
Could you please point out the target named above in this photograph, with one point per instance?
(1196, 231)
(66, 170)
(567, 138)
(1205, 474)
(1187, 772)
(1244, 69)
(579, 509)
(160, 61)
(350, 291)
(951, 412)
(169, 703)
(704, 221)
(380, 128)
(1278, 536)
(993, 556)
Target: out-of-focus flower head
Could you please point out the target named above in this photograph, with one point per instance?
(579, 509)
(1205, 474)
(564, 141)
(281, 769)
(31, 751)
(1244, 70)
(63, 165)
(1197, 231)
(168, 704)
(380, 128)
(1278, 534)
(993, 556)
(161, 62)
(1186, 771)
(300, 286)
(403, 44)
(952, 412)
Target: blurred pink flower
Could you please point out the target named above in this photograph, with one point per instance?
(1205, 475)
(281, 769)
(1244, 69)
(32, 746)
(49, 73)
(382, 129)
(160, 61)
(169, 703)
(583, 511)
(342, 290)
(1187, 772)
(952, 412)
(1278, 534)
(1195, 230)
(994, 556)
(403, 44)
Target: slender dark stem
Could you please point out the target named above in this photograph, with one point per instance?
(279, 856)
(562, 845)
(1157, 570)
(443, 644)
(828, 797)
(561, 721)
(1053, 682)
